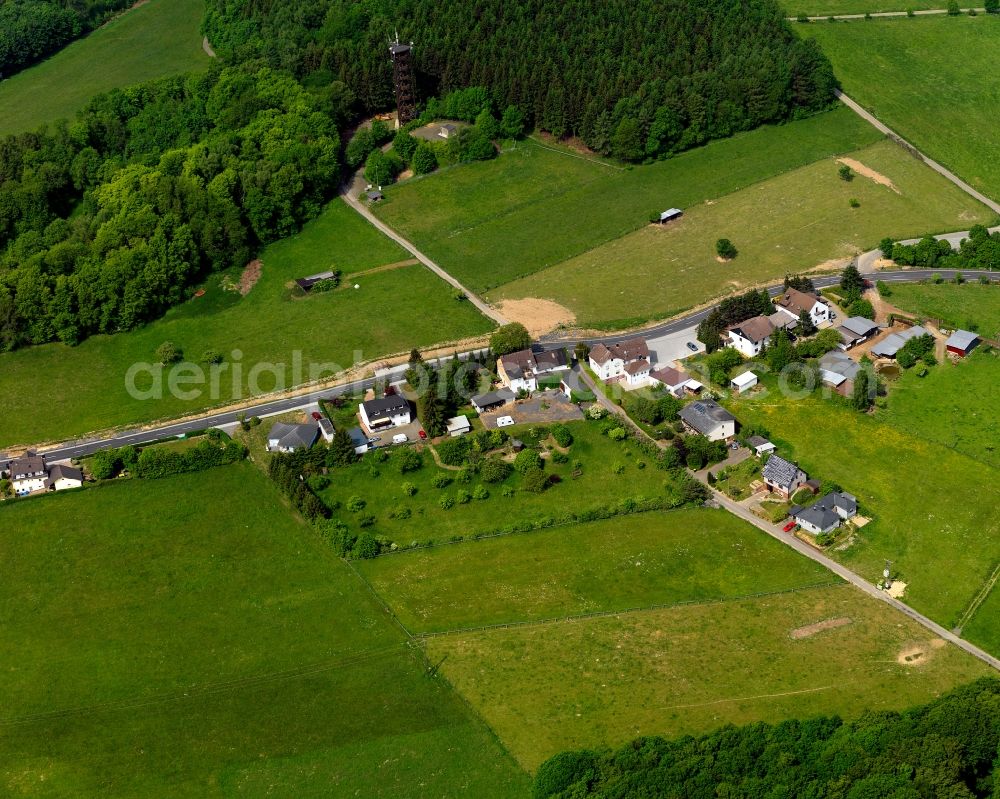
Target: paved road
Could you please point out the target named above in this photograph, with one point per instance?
(927, 12)
(846, 574)
(946, 173)
(269, 407)
(485, 308)
(866, 261)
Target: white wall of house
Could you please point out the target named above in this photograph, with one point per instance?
(812, 528)
(28, 484)
(744, 346)
(637, 380)
(517, 384)
(67, 482)
(395, 420)
(820, 312)
(611, 368)
(723, 431)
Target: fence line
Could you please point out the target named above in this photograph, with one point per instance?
(605, 613)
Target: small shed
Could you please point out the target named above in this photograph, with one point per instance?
(306, 283)
(374, 195)
(458, 426)
(447, 130)
(760, 445)
(670, 214)
(744, 382)
(961, 343)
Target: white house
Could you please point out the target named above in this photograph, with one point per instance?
(28, 474)
(793, 302)
(744, 382)
(519, 371)
(63, 477)
(609, 361)
(673, 380)
(291, 437)
(826, 514)
(637, 373)
(385, 412)
(750, 337)
(708, 418)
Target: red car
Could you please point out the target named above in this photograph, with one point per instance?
(789, 527)
(317, 415)
(423, 435)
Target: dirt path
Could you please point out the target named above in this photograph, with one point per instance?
(868, 172)
(383, 268)
(207, 47)
(440, 463)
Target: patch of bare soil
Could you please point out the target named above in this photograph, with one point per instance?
(722, 260)
(897, 589)
(869, 173)
(539, 316)
(251, 274)
(918, 654)
(811, 629)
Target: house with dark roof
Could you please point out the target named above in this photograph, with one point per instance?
(760, 446)
(750, 336)
(609, 361)
(894, 342)
(826, 514)
(519, 371)
(291, 437)
(360, 440)
(782, 477)
(492, 400)
(382, 413)
(854, 330)
(63, 477)
(793, 302)
(961, 343)
(708, 418)
(28, 473)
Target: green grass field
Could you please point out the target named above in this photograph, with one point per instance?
(156, 39)
(392, 311)
(491, 223)
(823, 8)
(421, 518)
(929, 501)
(649, 559)
(957, 306)
(188, 637)
(916, 73)
(789, 223)
(603, 681)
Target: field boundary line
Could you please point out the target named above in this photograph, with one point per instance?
(597, 161)
(978, 599)
(748, 698)
(597, 614)
(381, 602)
(924, 12)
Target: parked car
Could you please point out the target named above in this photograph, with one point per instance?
(423, 435)
(505, 421)
(317, 415)
(692, 346)
(789, 527)
(399, 438)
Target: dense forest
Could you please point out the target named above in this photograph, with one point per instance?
(30, 30)
(947, 748)
(107, 220)
(633, 78)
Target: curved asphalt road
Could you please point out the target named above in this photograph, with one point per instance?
(268, 407)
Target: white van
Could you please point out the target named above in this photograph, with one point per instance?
(399, 438)
(505, 421)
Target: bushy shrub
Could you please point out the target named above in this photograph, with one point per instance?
(408, 460)
(168, 353)
(446, 503)
(562, 435)
(480, 492)
(494, 470)
(463, 497)
(526, 460)
(442, 481)
(409, 489)
(356, 504)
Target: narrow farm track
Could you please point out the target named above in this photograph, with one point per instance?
(941, 170)
(927, 12)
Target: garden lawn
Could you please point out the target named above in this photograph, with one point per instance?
(588, 683)
(188, 637)
(152, 40)
(931, 79)
(955, 405)
(390, 312)
(655, 558)
(967, 305)
(490, 223)
(787, 224)
(933, 515)
(421, 519)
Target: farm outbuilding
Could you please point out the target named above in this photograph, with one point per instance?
(961, 343)
(670, 214)
(744, 382)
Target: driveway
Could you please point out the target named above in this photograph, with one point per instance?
(531, 411)
(672, 346)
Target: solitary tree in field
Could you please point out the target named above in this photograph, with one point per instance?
(846, 173)
(725, 249)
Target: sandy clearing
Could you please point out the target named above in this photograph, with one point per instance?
(818, 627)
(539, 316)
(919, 654)
(897, 589)
(251, 274)
(869, 173)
